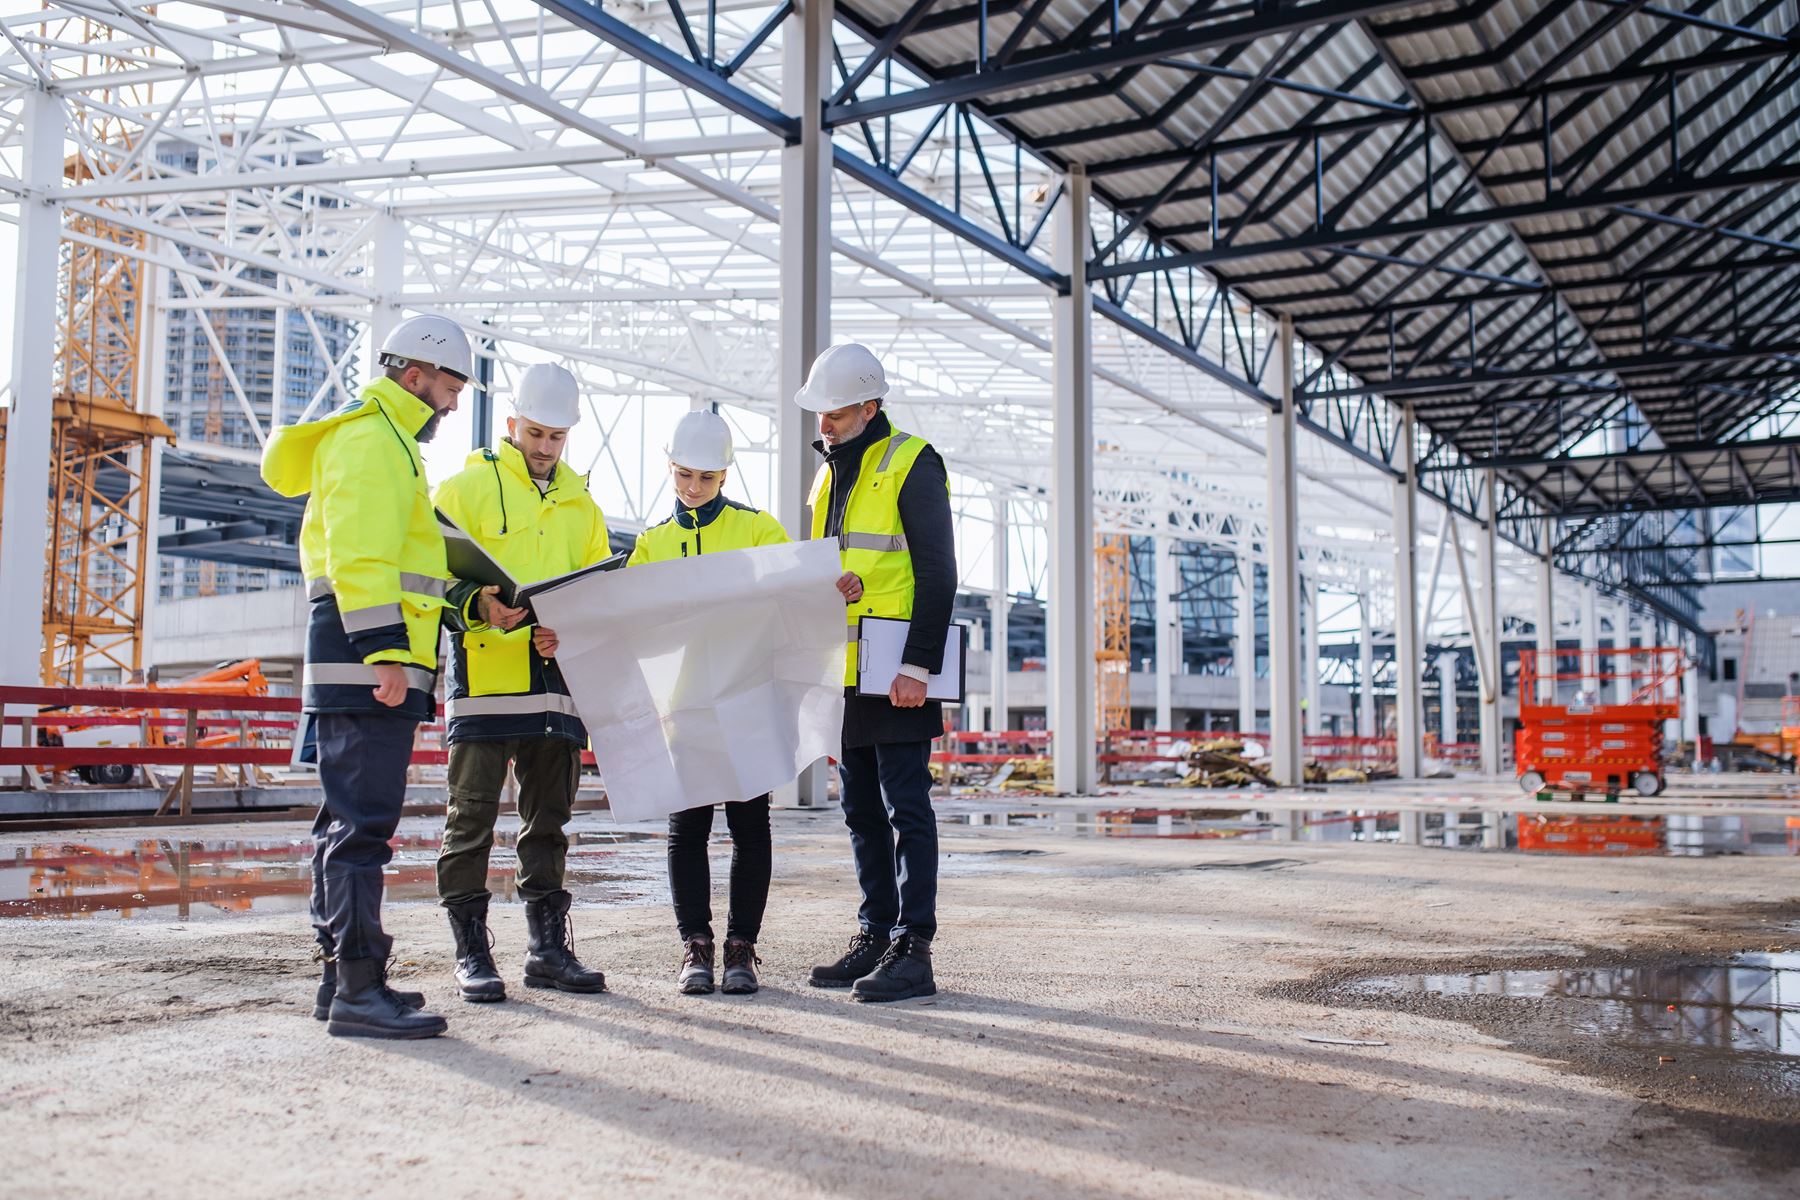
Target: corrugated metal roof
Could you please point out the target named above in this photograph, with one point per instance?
(1574, 280)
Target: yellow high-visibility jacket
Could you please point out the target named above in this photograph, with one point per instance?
(500, 686)
(719, 524)
(370, 549)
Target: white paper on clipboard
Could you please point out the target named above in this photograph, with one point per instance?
(883, 641)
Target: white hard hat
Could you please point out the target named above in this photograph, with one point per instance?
(843, 375)
(435, 341)
(549, 395)
(702, 441)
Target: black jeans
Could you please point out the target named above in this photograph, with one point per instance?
(362, 770)
(886, 795)
(690, 875)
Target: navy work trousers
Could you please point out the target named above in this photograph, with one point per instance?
(362, 769)
(886, 796)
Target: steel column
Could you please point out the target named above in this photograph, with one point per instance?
(1487, 627)
(1590, 630)
(25, 502)
(999, 615)
(1546, 615)
(1408, 651)
(387, 268)
(1447, 661)
(1365, 665)
(1284, 575)
(1168, 633)
(805, 280)
(1309, 661)
(1071, 632)
(1243, 628)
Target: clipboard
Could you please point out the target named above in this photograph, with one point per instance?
(469, 561)
(882, 641)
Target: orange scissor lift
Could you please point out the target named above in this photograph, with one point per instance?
(1592, 720)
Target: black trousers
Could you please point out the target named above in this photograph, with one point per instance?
(362, 769)
(690, 874)
(886, 796)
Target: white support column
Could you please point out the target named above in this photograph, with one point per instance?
(805, 283)
(152, 390)
(25, 502)
(1071, 614)
(1546, 617)
(1690, 696)
(1285, 749)
(1000, 602)
(1309, 662)
(1365, 664)
(1409, 653)
(1487, 628)
(1590, 640)
(1621, 664)
(1168, 632)
(1243, 654)
(387, 253)
(1447, 661)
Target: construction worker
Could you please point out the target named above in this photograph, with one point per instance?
(373, 561)
(885, 496)
(705, 522)
(508, 703)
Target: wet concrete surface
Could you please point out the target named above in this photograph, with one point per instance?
(1117, 1016)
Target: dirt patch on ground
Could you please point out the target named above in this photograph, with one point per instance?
(1748, 1101)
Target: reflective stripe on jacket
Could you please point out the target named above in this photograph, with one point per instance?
(500, 687)
(873, 542)
(370, 550)
(720, 524)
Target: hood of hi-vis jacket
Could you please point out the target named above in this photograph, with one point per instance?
(370, 550)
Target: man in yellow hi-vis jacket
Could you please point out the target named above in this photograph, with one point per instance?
(373, 562)
(508, 703)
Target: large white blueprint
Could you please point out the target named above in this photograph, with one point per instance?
(705, 679)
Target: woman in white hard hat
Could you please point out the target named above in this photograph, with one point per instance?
(705, 522)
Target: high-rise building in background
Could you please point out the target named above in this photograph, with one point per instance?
(278, 363)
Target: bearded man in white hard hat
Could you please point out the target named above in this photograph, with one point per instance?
(373, 561)
(508, 703)
(884, 496)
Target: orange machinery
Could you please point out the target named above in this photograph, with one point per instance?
(1790, 726)
(141, 726)
(1592, 720)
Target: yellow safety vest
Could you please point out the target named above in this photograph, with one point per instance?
(370, 550)
(498, 684)
(873, 542)
(718, 525)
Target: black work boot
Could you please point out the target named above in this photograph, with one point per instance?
(903, 972)
(860, 957)
(364, 1007)
(740, 967)
(328, 989)
(551, 962)
(696, 978)
(476, 974)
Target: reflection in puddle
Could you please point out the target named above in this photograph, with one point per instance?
(1750, 1004)
(184, 879)
(1611, 835)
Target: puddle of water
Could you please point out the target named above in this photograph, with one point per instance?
(185, 879)
(1608, 835)
(1749, 1004)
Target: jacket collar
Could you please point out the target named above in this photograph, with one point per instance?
(512, 458)
(878, 430)
(407, 411)
(699, 518)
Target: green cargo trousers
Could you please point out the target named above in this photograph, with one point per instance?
(548, 769)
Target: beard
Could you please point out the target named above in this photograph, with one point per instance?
(431, 427)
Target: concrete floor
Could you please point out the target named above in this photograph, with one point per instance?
(1118, 1017)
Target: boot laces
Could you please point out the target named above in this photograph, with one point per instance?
(392, 996)
(897, 950)
(859, 944)
(739, 953)
(700, 953)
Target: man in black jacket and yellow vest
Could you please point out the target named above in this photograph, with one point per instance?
(373, 561)
(885, 496)
(508, 703)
